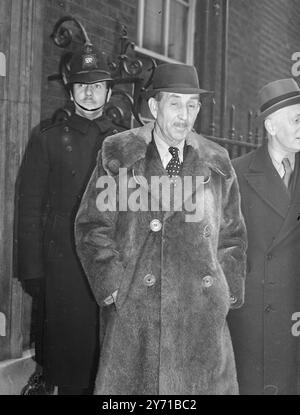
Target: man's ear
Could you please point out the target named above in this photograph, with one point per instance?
(153, 106)
(270, 126)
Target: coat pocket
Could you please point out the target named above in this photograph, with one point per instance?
(222, 286)
(125, 284)
(54, 236)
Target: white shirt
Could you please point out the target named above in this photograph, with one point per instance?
(277, 157)
(163, 150)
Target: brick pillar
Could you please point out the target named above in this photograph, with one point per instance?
(208, 55)
(21, 38)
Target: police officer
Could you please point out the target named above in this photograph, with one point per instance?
(58, 163)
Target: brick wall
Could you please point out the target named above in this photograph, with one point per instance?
(263, 35)
(102, 20)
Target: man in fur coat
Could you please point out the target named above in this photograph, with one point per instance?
(165, 268)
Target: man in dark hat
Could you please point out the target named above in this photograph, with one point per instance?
(162, 240)
(264, 339)
(55, 171)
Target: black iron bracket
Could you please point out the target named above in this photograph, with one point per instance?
(127, 71)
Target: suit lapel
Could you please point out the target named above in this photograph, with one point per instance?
(194, 174)
(291, 221)
(192, 166)
(266, 182)
(152, 164)
(147, 169)
(295, 177)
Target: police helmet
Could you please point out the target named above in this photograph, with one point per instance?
(88, 66)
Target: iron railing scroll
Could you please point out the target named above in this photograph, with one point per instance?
(128, 72)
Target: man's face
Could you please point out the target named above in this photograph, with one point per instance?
(284, 128)
(175, 115)
(89, 96)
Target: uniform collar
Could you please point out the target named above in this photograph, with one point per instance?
(83, 124)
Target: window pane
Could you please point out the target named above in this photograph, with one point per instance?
(153, 26)
(178, 31)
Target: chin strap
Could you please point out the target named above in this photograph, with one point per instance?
(94, 109)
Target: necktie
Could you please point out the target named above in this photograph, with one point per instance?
(174, 166)
(287, 171)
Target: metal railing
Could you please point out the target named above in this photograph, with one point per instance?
(236, 144)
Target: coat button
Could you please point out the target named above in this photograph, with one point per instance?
(269, 257)
(149, 280)
(268, 308)
(67, 129)
(155, 225)
(66, 139)
(114, 165)
(207, 281)
(206, 231)
(233, 299)
(69, 149)
(73, 172)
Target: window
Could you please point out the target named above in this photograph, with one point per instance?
(166, 29)
(2, 64)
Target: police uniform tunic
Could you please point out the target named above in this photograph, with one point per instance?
(55, 171)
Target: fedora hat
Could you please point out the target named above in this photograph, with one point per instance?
(276, 95)
(174, 77)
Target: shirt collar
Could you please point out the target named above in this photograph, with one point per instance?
(277, 156)
(163, 149)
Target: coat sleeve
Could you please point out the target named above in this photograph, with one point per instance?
(95, 241)
(32, 191)
(233, 241)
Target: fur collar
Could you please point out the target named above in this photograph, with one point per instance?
(128, 147)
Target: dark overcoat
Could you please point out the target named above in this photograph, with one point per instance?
(264, 345)
(55, 171)
(176, 279)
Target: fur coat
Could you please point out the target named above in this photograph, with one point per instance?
(166, 333)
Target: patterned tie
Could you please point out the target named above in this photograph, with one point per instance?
(174, 166)
(287, 171)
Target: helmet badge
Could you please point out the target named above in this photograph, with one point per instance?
(89, 61)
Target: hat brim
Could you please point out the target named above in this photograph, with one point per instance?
(150, 93)
(279, 105)
(90, 77)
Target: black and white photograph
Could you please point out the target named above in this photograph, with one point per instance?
(149, 201)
